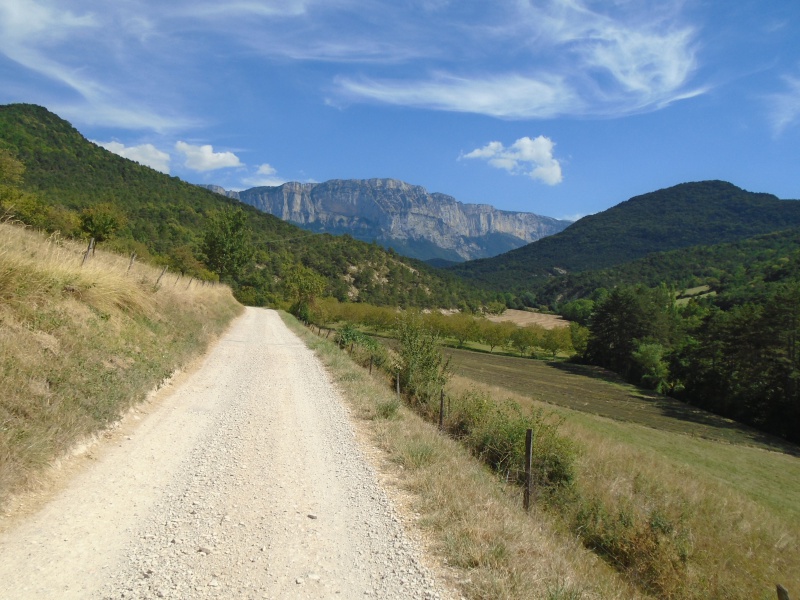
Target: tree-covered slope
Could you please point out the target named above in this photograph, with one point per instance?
(165, 219)
(689, 214)
(769, 257)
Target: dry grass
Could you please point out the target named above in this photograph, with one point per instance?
(680, 516)
(80, 344)
(474, 521)
(523, 318)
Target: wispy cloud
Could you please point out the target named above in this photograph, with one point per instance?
(30, 30)
(575, 61)
(145, 154)
(509, 96)
(510, 59)
(785, 106)
(531, 157)
(264, 8)
(76, 52)
(203, 158)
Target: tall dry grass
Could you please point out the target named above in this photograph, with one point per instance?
(81, 344)
(676, 528)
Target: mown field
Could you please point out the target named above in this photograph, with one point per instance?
(596, 391)
(733, 490)
(763, 468)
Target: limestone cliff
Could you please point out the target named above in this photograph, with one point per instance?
(406, 217)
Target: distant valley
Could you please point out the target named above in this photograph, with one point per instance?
(405, 217)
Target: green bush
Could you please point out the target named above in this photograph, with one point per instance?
(423, 371)
(649, 546)
(363, 348)
(496, 433)
(387, 409)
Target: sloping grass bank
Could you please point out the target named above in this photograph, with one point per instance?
(81, 344)
(677, 516)
(473, 521)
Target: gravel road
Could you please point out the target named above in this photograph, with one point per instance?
(246, 481)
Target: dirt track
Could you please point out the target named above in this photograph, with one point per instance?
(244, 482)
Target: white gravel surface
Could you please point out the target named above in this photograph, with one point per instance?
(246, 482)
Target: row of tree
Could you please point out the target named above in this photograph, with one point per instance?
(459, 328)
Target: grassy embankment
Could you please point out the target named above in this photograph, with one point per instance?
(472, 520)
(81, 344)
(683, 504)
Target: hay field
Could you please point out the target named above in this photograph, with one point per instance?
(524, 318)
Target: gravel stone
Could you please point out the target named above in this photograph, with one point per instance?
(245, 481)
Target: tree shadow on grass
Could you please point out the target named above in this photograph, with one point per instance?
(695, 421)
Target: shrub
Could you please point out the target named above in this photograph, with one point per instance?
(650, 545)
(423, 371)
(496, 433)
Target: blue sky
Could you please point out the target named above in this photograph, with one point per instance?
(558, 107)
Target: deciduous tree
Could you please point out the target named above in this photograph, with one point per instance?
(226, 243)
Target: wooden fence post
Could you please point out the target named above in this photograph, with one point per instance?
(130, 264)
(783, 594)
(164, 270)
(526, 495)
(370, 364)
(441, 410)
(89, 250)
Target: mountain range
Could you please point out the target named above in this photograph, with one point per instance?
(164, 219)
(402, 216)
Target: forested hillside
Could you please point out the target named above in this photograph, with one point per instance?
(720, 267)
(706, 212)
(75, 187)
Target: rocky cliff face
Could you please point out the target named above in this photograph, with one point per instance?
(406, 217)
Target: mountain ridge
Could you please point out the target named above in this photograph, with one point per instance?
(415, 222)
(687, 214)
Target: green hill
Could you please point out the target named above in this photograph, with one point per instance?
(689, 214)
(763, 258)
(163, 218)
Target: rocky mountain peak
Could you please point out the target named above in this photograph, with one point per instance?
(403, 216)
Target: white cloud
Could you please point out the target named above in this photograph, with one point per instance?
(531, 157)
(265, 175)
(145, 154)
(203, 158)
(785, 106)
(573, 218)
(217, 10)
